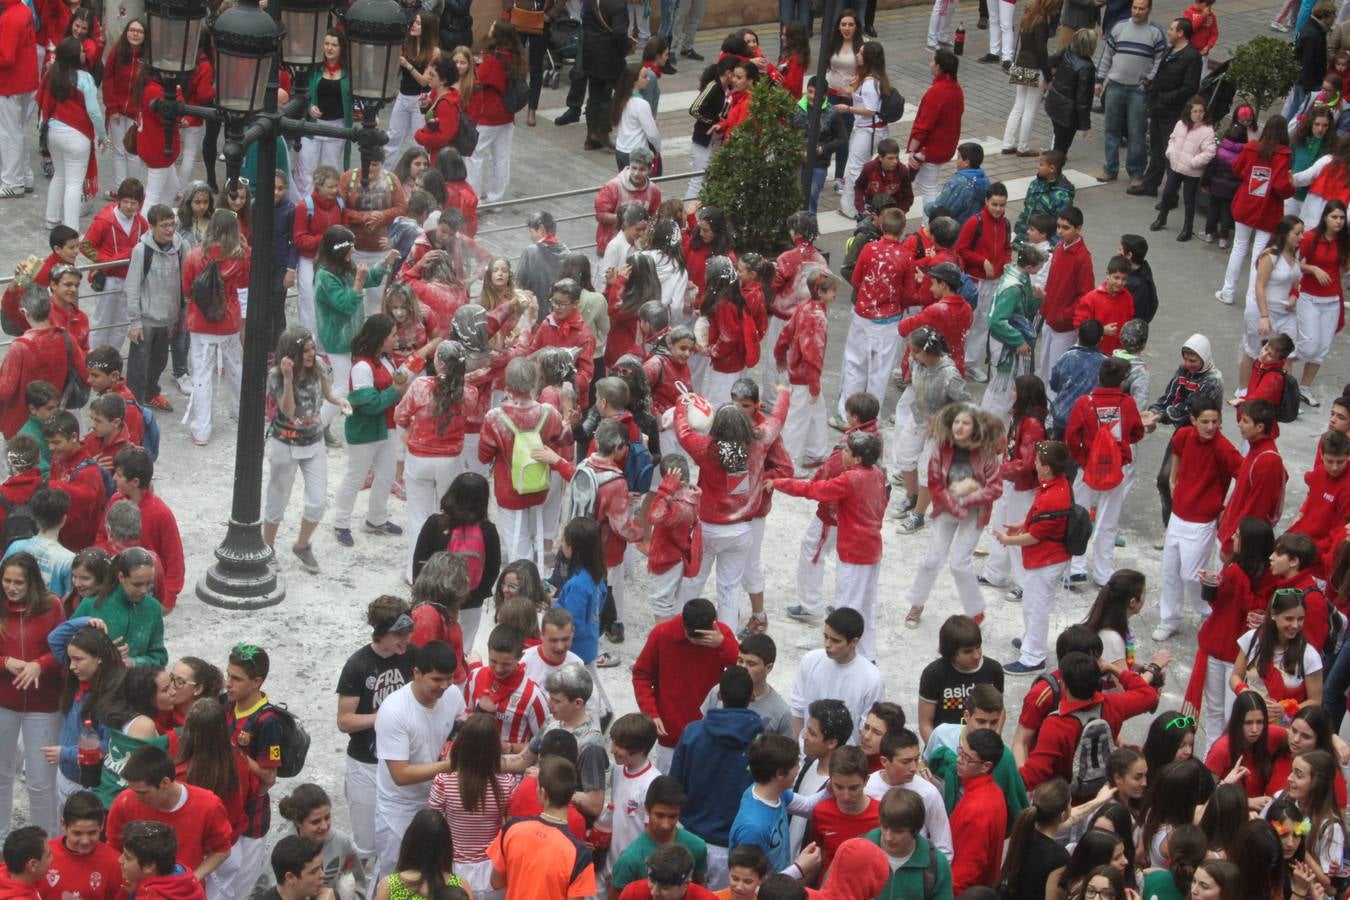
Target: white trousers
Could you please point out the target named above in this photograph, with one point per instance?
(370, 297)
(862, 146)
(378, 456)
(469, 620)
(1022, 119)
(717, 385)
(1187, 548)
(950, 540)
(728, 546)
(1283, 320)
(108, 324)
(16, 169)
(219, 885)
(855, 587)
(304, 285)
(37, 730)
(1105, 526)
(124, 166)
(522, 533)
(1048, 351)
(251, 853)
(769, 376)
(1001, 29)
(926, 183)
(552, 513)
(161, 186)
(70, 159)
(490, 165)
(1317, 318)
(1004, 562)
(1040, 589)
(425, 481)
(190, 140)
(664, 591)
(753, 582)
(359, 788)
(870, 352)
(470, 455)
(940, 24)
(390, 827)
(405, 117)
(698, 162)
(1217, 704)
(284, 461)
(315, 152)
(341, 364)
(210, 353)
(977, 338)
(1245, 238)
(806, 432)
(811, 559)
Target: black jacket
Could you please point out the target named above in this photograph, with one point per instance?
(1311, 52)
(1177, 80)
(1069, 102)
(604, 38)
(456, 24)
(1141, 287)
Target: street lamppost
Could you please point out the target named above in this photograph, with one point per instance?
(251, 44)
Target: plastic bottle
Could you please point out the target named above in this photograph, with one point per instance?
(89, 752)
(959, 45)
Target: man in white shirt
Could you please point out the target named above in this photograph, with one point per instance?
(828, 726)
(837, 672)
(411, 728)
(633, 218)
(899, 769)
(554, 651)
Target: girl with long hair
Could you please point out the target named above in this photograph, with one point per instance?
(1120, 598)
(665, 247)
(1294, 828)
(425, 866)
(311, 812)
(964, 482)
(503, 59)
(87, 571)
(67, 102)
(1236, 596)
(1324, 258)
(1030, 406)
(1272, 303)
(1277, 655)
(123, 602)
(1030, 64)
(440, 124)
(1216, 879)
(667, 368)
(846, 42)
(441, 586)
(1102, 883)
(410, 166)
(1189, 149)
(730, 326)
(314, 215)
(1033, 853)
(473, 797)
(1116, 819)
(376, 387)
(583, 591)
(194, 218)
(417, 330)
(207, 758)
(795, 57)
(416, 64)
(1224, 814)
(120, 73)
(192, 679)
(94, 670)
(330, 97)
(146, 693)
(459, 194)
(632, 117)
(1264, 183)
(1171, 738)
(870, 85)
(1312, 785)
(1096, 850)
(1310, 729)
(1307, 145)
(521, 579)
(236, 195)
(463, 525)
(297, 388)
(214, 320)
(1128, 775)
(1014, 307)
(432, 415)
(1257, 853)
(1245, 753)
(1185, 849)
(1173, 797)
(627, 290)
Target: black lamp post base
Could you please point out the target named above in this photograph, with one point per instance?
(242, 577)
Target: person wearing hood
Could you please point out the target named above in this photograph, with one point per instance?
(861, 871)
(632, 185)
(28, 856)
(831, 138)
(150, 868)
(154, 299)
(540, 261)
(713, 752)
(1197, 375)
(915, 868)
(1012, 334)
(1262, 169)
(963, 194)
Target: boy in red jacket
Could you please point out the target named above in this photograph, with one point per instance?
(1107, 407)
(948, 314)
(860, 492)
(150, 866)
(65, 244)
(115, 231)
(105, 377)
(27, 854)
(1204, 29)
(82, 865)
(132, 474)
(937, 125)
(1070, 278)
(1291, 565)
(42, 353)
(682, 660)
(1110, 304)
(74, 471)
(563, 327)
(1327, 506)
(980, 818)
(108, 434)
(675, 550)
(1258, 488)
(322, 208)
(1203, 464)
(800, 351)
(870, 350)
(1267, 378)
(985, 247)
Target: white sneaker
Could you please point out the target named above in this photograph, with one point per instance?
(1223, 298)
(1162, 633)
(184, 383)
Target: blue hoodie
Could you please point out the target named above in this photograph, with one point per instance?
(963, 194)
(72, 720)
(711, 762)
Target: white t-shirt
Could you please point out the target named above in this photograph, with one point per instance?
(616, 254)
(407, 731)
(1312, 660)
(936, 826)
(858, 684)
(628, 801)
(537, 669)
(810, 780)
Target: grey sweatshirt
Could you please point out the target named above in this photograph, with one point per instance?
(1133, 53)
(935, 386)
(154, 297)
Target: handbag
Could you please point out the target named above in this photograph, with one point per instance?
(1024, 76)
(526, 18)
(76, 393)
(129, 141)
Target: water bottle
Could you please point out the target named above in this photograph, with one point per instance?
(959, 45)
(89, 752)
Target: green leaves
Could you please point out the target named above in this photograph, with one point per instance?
(1263, 70)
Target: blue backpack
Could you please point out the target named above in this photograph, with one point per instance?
(639, 467)
(109, 488)
(969, 292)
(150, 431)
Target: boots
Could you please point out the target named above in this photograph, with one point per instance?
(597, 130)
(1159, 223)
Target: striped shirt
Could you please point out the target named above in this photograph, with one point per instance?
(521, 715)
(473, 831)
(1133, 53)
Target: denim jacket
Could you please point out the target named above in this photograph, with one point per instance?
(1074, 374)
(963, 194)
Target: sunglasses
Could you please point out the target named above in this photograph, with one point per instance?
(1180, 722)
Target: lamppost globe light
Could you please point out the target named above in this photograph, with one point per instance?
(376, 30)
(305, 22)
(246, 39)
(175, 28)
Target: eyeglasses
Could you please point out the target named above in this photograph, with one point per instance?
(1180, 722)
(179, 682)
(1299, 829)
(1094, 893)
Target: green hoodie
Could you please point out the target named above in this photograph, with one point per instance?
(907, 882)
(338, 307)
(140, 624)
(941, 755)
(1012, 297)
(34, 427)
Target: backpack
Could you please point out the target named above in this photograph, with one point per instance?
(109, 487)
(309, 207)
(76, 392)
(517, 93)
(969, 292)
(20, 523)
(466, 138)
(585, 491)
(527, 475)
(1090, 754)
(208, 292)
(892, 106)
(294, 741)
(1053, 684)
(1105, 463)
(1077, 530)
(149, 431)
(639, 467)
(1287, 411)
(467, 542)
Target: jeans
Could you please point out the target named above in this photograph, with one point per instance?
(70, 158)
(688, 15)
(795, 11)
(178, 345)
(1219, 218)
(1126, 116)
(818, 177)
(1333, 692)
(146, 361)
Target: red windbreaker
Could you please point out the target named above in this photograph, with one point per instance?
(1204, 470)
(1107, 308)
(442, 123)
(40, 354)
(1258, 488)
(786, 297)
(729, 497)
(107, 240)
(1019, 465)
(937, 124)
(1070, 278)
(309, 229)
(234, 272)
(1110, 406)
(677, 535)
(496, 440)
(986, 471)
(983, 239)
(800, 348)
(859, 495)
(1263, 186)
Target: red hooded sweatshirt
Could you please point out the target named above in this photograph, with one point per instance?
(672, 675)
(1107, 308)
(1324, 513)
(859, 494)
(1103, 406)
(937, 124)
(726, 336)
(1070, 278)
(118, 78)
(84, 485)
(18, 49)
(979, 824)
(1266, 383)
(1263, 186)
(107, 240)
(12, 888)
(950, 317)
(309, 229)
(1204, 470)
(486, 106)
(442, 123)
(984, 239)
(827, 511)
(40, 354)
(25, 638)
(859, 872)
(1258, 488)
(1019, 465)
(677, 535)
(180, 884)
(800, 348)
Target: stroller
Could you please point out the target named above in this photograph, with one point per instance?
(564, 44)
(1217, 91)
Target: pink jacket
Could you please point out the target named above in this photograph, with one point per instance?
(788, 292)
(1189, 150)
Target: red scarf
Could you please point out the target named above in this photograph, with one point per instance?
(500, 691)
(332, 68)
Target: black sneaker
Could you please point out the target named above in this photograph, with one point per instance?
(988, 58)
(693, 54)
(667, 69)
(567, 118)
(1017, 668)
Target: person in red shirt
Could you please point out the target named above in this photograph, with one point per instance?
(443, 109)
(150, 869)
(557, 743)
(1029, 409)
(1204, 28)
(1107, 406)
(980, 818)
(161, 178)
(1042, 698)
(985, 247)
(132, 473)
(500, 688)
(78, 474)
(214, 334)
(115, 231)
(800, 351)
(27, 853)
(937, 126)
(322, 208)
(1204, 463)
(1040, 537)
(21, 458)
(789, 288)
(883, 174)
(65, 244)
(675, 549)
(870, 350)
(682, 660)
(18, 83)
(733, 340)
(563, 327)
(66, 312)
(848, 812)
(1326, 509)
(503, 59)
(1111, 304)
(946, 312)
(1070, 278)
(108, 433)
(1258, 488)
(1290, 565)
(82, 866)
(670, 872)
(105, 377)
(42, 353)
(1267, 378)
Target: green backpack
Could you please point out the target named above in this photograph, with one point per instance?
(527, 475)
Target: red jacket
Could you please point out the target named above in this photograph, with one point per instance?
(618, 525)
(73, 320)
(777, 462)
(84, 486)
(726, 337)
(1263, 186)
(672, 675)
(428, 434)
(308, 231)
(623, 324)
(950, 317)
(1204, 26)
(94, 876)
(874, 180)
(1019, 465)
(104, 452)
(800, 348)
(1258, 488)
(1110, 406)
(159, 535)
(9, 301)
(496, 440)
(235, 273)
(134, 418)
(1325, 255)
(937, 124)
(979, 824)
(118, 79)
(662, 374)
(677, 536)
(1234, 597)
(993, 244)
(201, 89)
(859, 493)
(986, 469)
(617, 191)
(150, 128)
(877, 288)
(463, 198)
(1204, 470)
(18, 50)
(729, 497)
(107, 240)
(1070, 278)
(788, 291)
(40, 354)
(1052, 754)
(486, 106)
(571, 333)
(70, 111)
(11, 889)
(1107, 308)
(25, 638)
(442, 123)
(1051, 496)
(827, 510)
(1324, 513)
(1266, 383)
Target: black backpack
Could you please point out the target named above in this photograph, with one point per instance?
(1287, 411)
(208, 292)
(466, 138)
(294, 741)
(20, 523)
(892, 107)
(1078, 528)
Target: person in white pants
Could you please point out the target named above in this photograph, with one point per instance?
(69, 147)
(868, 126)
(1001, 43)
(941, 24)
(1245, 238)
(727, 546)
(16, 109)
(420, 50)
(873, 343)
